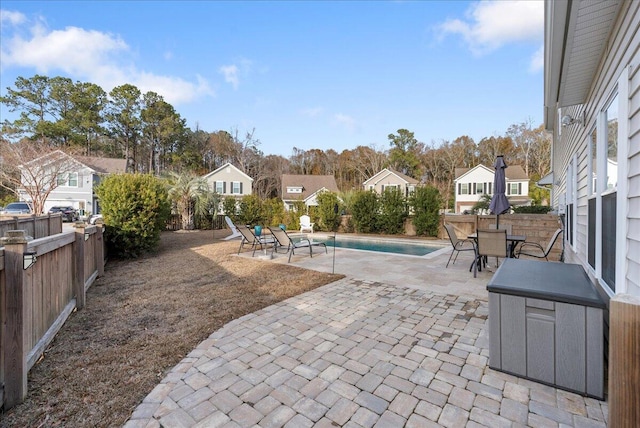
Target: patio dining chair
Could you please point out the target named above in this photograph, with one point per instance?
(283, 240)
(534, 249)
(457, 243)
(250, 238)
(490, 243)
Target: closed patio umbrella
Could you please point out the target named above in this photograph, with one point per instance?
(499, 202)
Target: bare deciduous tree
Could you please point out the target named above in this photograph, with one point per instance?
(33, 170)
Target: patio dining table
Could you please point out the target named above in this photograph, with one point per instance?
(513, 241)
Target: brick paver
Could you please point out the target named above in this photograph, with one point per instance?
(362, 354)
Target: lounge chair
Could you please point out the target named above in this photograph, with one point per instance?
(284, 241)
(248, 237)
(458, 244)
(490, 243)
(534, 249)
(305, 224)
(234, 230)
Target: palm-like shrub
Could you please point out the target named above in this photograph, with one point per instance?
(190, 193)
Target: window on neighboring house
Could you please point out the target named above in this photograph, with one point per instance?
(514, 189)
(220, 187)
(463, 188)
(67, 179)
(370, 186)
(479, 188)
(236, 187)
(73, 179)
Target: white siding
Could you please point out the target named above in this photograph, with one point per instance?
(622, 51)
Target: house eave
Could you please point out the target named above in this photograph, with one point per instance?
(575, 39)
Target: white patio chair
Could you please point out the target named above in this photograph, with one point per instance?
(234, 230)
(305, 224)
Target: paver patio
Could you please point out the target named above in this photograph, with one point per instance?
(404, 344)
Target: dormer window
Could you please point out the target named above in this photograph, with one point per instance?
(294, 189)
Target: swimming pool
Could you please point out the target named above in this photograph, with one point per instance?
(379, 245)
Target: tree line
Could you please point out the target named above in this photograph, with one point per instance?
(81, 118)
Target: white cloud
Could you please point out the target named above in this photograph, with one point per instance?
(312, 111)
(492, 24)
(233, 72)
(10, 17)
(230, 73)
(100, 58)
(347, 121)
(537, 61)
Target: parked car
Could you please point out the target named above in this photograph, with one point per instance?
(95, 217)
(17, 208)
(68, 213)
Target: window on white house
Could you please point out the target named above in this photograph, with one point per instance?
(609, 199)
(236, 187)
(73, 179)
(220, 187)
(463, 188)
(514, 188)
(67, 179)
(479, 188)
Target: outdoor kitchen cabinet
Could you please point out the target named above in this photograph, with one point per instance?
(546, 323)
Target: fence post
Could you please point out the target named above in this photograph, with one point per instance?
(78, 265)
(100, 247)
(15, 326)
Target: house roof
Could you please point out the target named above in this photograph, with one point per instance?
(383, 173)
(215, 171)
(98, 164)
(513, 172)
(576, 35)
(309, 183)
(103, 165)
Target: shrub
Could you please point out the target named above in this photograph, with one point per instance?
(533, 209)
(364, 211)
(273, 210)
(230, 207)
(251, 210)
(329, 218)
(135, 208)
(426, 202)
(393, 211)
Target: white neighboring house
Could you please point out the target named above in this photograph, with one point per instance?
(390, 178)
(228, 180)
(591, 99)
(471, 183)
(305, 188)
(76, 182)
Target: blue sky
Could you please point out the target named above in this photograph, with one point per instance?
(326, 75)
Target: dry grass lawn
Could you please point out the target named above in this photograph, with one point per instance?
(141, 319)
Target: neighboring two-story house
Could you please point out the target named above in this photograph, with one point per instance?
(305, 188)
(228, 180)
(471, 183)
(75, 182)
(389, 178)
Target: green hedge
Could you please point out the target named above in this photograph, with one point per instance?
(135, 208)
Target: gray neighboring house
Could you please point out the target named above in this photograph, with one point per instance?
(305, 188)
(390, 178)
(228, 180)
(76, 185)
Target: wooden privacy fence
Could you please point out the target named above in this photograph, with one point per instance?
(37, 298)
(36, 226)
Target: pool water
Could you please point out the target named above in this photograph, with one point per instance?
(379, 246)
